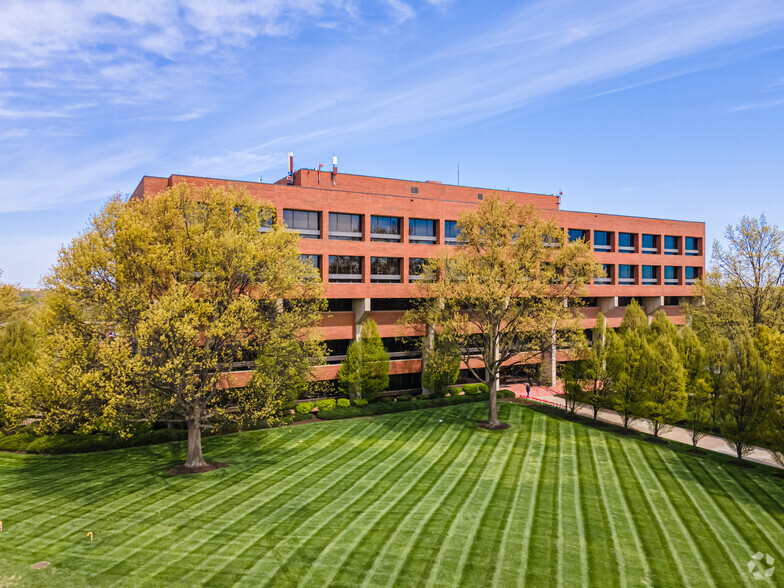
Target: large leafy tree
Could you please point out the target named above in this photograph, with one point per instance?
(634, 356)
(699, 407)
(744, 288)
(602, 367)
(159, 299)
(665, 401)
(441, 362)
(746, 401)
(365, 371)
(499, 295)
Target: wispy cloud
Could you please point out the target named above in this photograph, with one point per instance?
(757, 105)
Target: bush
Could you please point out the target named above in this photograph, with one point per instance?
(343, 403)
(455, 392)
(341, 413)
(305, 407)
(505, 394)
(360, 402)
(404, 398)
(326, 404)
(479, 388)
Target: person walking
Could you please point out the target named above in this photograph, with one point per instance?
(528, 389)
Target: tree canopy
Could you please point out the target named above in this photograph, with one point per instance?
(154, 304)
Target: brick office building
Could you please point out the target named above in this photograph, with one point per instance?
(367, 236)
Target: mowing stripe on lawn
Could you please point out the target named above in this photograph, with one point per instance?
(141, 541)
(334, 560)
(330, 559)
(465, 525)
(349, 467)
(693, 494)
(505, 557)
(631, 528)
(578, 513)
(769, 505)
(685, 542)
(441, 486)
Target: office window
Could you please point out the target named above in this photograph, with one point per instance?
(305, 222)
(649, 244)
(345, 227)
(626, 274)
(577, 234)
(345, 269)
(671, 245)
(315, 261)
(384, 228)
(671, 275)
(607, 279)
(450, 232)
(626, 242)
(415, 265)
(384, 269)
(692, 246)
(601, 241)
(690, 274)
(650, 275)
(421, 230)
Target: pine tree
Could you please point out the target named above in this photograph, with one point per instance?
(365, 371)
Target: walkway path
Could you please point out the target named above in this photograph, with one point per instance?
(709, 442)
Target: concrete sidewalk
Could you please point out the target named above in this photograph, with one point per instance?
(709, 442)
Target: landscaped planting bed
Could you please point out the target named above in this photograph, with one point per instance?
(421, 498)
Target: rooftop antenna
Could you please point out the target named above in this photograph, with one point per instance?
(291, 167)
(458, 173)
(334, 168)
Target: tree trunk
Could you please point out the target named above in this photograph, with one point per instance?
(492, 418)
(595, 411)
(195, 457)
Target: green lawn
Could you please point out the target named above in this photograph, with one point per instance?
(396, 500)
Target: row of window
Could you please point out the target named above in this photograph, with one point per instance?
(348, 227)
(348, 269)
(649, 275)
(649, 244)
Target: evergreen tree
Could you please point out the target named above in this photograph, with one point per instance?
(365, 371)
(633, 355)
(442, 366)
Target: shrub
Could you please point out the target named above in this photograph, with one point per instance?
(326, 404)
(304, 407)
(341, 413)
(360, 402)
(343, 403)
(455, 392)
(403, 398)
(505, 394)
(476, 388)
(385, 399)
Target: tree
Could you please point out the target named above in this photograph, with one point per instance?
(574, 385)
(744, 404)
(744, 288)
(365, 371)
(770, 344)
(602, 367)
(165, 294)
(633, 355)
(500, 294)
(442, 365)
(665, 401)
(699, 406)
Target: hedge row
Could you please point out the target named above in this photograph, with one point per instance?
(402, 406)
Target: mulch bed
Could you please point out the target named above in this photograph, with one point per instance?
(488, 427)
(208, 467)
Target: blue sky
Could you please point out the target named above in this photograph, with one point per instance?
(667, 109)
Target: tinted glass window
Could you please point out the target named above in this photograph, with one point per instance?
(450, 229)
(420, 227)
(345, 226)
(577, 234)
(387, 225)
(625, 240)
(601, 238)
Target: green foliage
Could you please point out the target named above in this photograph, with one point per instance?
(360, 402)
(305, 407)
(478, 388)
(503, 290)
(343, 403)
(188, 285)
(365, 371)
(403, 398)
(325, 404)
(442, 365)
(455, 391)
(746, 400)
(665, 401)
(602, 367)
(632, 354)
(418, 403)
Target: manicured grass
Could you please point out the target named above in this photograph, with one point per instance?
(395, 500)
